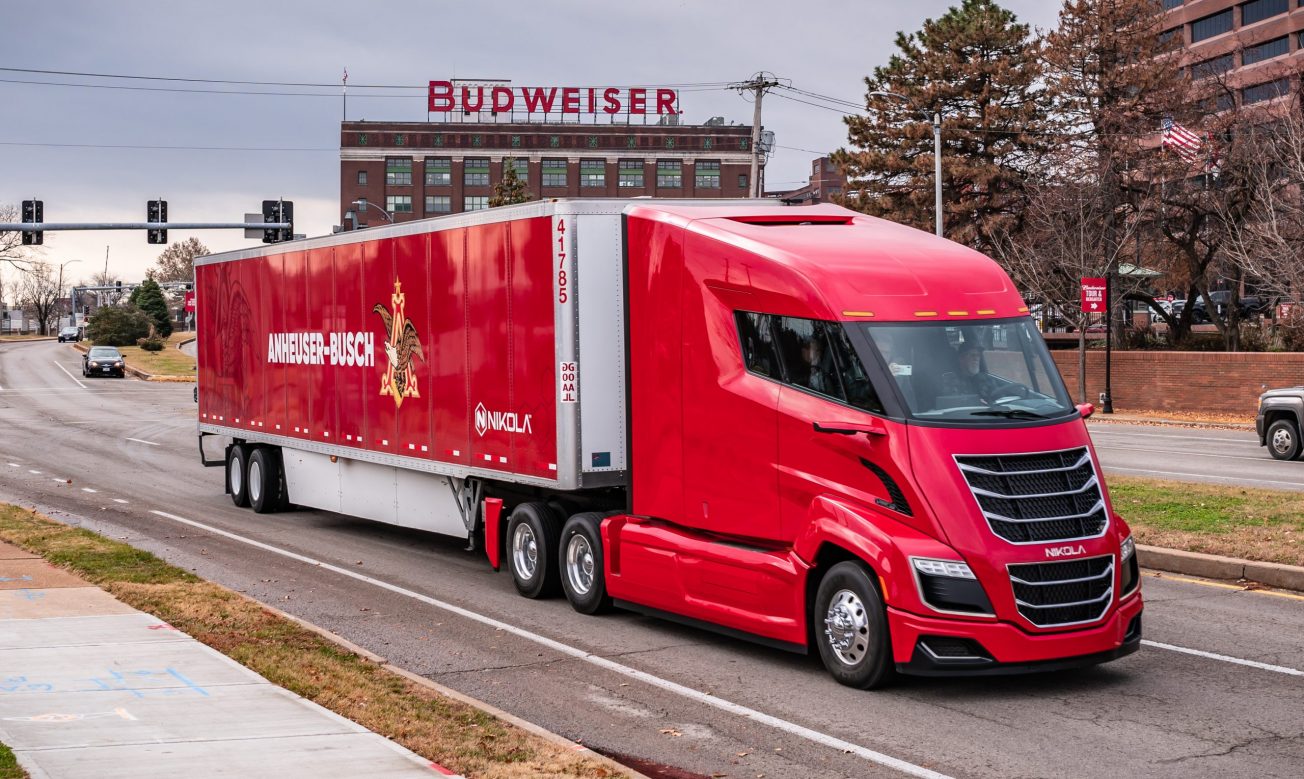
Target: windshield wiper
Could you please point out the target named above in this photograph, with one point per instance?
(1009, 413)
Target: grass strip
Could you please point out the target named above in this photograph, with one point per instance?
(1262, 525)
(9, 768)
(455, 735)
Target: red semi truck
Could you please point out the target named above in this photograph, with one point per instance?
(809, 427)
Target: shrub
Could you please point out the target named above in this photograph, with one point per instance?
(150, 344)
(113, 326)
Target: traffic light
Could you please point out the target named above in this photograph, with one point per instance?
(278, 211)
(158, 212)
(33, 212)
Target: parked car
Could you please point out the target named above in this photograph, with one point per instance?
(72, 334)
(1279, 421)
(104, 361)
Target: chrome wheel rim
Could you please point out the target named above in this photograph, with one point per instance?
(255, 479)
(237, 478)
(525, 551)
(1282, 440)
(580, 564)
(846, 627)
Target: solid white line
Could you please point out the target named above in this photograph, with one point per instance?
(1262, 458)
(141, 441)
(29, 470)
(602, 662)
(88, 489)
(1281, 669)
(119, 500)
(74, 378)
(61, 481)
(14, 465)
(1187, 475)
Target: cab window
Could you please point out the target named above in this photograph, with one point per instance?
(810, 354)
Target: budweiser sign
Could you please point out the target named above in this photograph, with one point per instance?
(446, 97)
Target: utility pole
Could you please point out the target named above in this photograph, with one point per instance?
(758, 86)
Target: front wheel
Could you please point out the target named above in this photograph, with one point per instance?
(1283, 440)
(850, 627)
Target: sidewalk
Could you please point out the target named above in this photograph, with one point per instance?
(1160, 419)
(90, 687)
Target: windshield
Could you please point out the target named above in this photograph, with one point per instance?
(104, 353)
(972, 371)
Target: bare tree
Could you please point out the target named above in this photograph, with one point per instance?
(177, 262)
(39, 290)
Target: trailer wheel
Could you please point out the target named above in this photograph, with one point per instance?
(850, 627)
(532, 540)
(237, 471)
(1283, 440)
(265, 480)
(581, 561)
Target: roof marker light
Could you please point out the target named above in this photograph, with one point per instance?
(986, 311)
(857, 313)
(925, 313)
(957, 313)
(1023, 309)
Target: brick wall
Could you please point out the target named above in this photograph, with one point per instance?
(1216, 382)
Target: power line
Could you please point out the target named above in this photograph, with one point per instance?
(190, 91)
(168, 148)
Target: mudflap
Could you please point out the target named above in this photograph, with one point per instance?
(493, 509)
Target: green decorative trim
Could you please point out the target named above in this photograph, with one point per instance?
(400, 140)
(362, 139)
(554, 141)
(477, 140)
(516, 141)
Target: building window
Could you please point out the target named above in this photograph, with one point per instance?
(398, 204)
(398, 171)
(439, 172)
(1266, 50)
(742, 181)
(522, 168)
(554, 173)
(1171, 4)
(1223, 101)
(707, 174)
(438, 204)
(1260, 92)
(1213, 67)
(1209, 26)
(361, 203)
(362, 178)
(475, 202)
(1258, 10)
(1168, 36)
(670, 174)
(475, 172)
(593, 173)
(631, 174)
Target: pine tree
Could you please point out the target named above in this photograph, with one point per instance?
(511, 189)
(980, 69)
(148, 297)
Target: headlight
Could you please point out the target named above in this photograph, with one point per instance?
(1130, 576)
(950, 568)
(117, 364)
(94, 364)
(1127, 548)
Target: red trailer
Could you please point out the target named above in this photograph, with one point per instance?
(812, 428)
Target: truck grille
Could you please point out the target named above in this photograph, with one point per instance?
(1038, 498)
(1063, 593)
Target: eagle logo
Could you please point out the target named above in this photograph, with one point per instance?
(403, 343)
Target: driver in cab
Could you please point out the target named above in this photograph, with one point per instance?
(970, 379)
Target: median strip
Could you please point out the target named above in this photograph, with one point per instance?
(450, 732)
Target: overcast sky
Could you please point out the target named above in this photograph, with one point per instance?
(93, 154)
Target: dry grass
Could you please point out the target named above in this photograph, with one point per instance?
(1266, 525)
(453, 734)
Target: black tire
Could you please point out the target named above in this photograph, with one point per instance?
(1283, 440)
(533, 533)
(855, 648)
(264, 480)
(580, 564)
(237, 475)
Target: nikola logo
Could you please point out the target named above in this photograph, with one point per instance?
(1065, 551)
(502, 421)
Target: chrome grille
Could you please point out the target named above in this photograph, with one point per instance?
(1063, 593)
(1038, 498)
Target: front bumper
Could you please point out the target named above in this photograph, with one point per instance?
(1258, 428)
(1002, 648)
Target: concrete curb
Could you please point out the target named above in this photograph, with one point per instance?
(1287, 577)
(1136, 420)
(448, 692)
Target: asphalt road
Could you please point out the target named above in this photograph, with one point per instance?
(119, 456)
(1191, 454)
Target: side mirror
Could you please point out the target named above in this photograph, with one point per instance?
(1086, 410)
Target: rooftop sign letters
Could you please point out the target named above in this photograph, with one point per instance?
(447, 97)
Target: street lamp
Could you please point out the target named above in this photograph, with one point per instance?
(72, 313)
(364, 205)
(937, 154)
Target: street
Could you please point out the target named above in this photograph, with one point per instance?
(1216, 690)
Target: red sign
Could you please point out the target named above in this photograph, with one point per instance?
(1093, 295)
(190, 301)
(445, 97)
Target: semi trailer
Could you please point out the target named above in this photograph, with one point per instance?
(804, 426)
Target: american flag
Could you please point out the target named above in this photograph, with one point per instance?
(1187, 144)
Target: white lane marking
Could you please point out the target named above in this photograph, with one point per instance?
(88, 489)
(74, 378)
(29, 470)
(61, 481)
(1187, 475)
(1281, 669)
(14, 465)
(1263, 458)
(119, 500)
(602, 662)
(142, 441)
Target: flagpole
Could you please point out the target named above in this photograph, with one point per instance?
(346, 95)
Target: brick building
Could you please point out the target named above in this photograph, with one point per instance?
(826, 185)
(1253, 47)
(420, 169)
